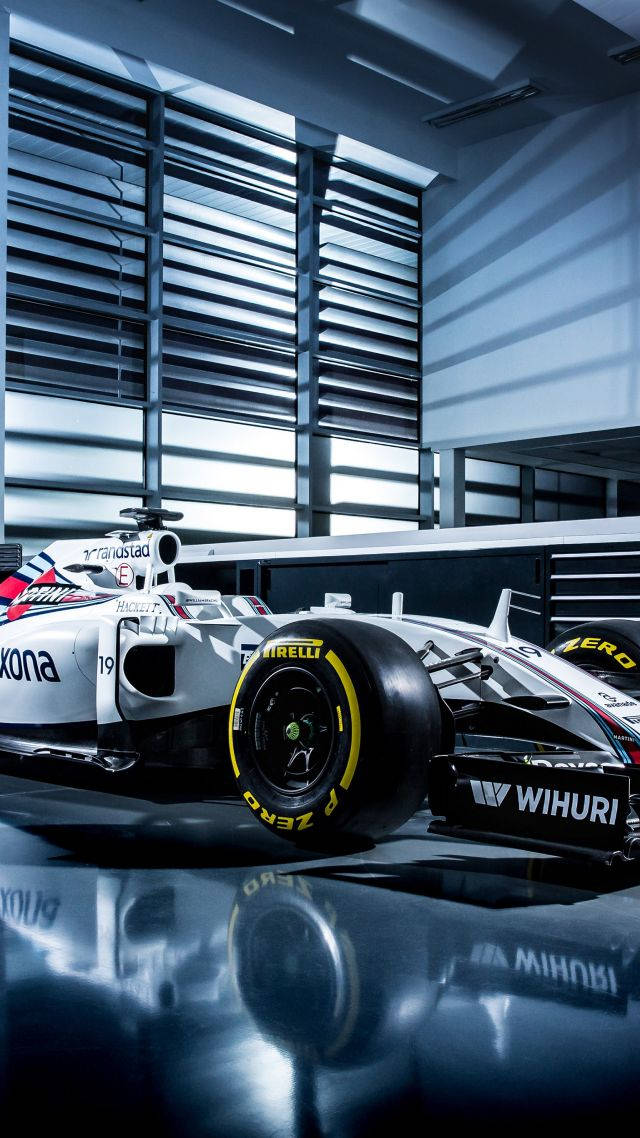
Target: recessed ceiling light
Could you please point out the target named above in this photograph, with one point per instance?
(630, 53)
(474, 107)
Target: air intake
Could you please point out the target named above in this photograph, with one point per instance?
(628, 54)
(471, 109)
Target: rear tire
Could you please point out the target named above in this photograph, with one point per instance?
(330, 730)
(609, 650)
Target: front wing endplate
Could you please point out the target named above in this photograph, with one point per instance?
(549, 808)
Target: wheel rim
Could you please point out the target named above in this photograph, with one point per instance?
(292, 727)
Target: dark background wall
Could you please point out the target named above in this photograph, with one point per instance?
(565, 583)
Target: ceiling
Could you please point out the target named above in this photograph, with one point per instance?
(366, 70)
(439, 53)
(608, 454)
(623, 14)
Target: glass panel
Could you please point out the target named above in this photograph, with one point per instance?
(77, 175)
(207, 521)
(225, 457)
(371, 474)
(59, 89)
(229, 267)
(58, 166)
(35, 518)
(565, 497)
(240, 381)
(492, 492)
(63, 439)
(345, 524)
(374, 456)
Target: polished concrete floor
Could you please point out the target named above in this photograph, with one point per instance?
(167, 967)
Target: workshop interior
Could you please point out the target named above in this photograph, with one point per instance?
(319, 566)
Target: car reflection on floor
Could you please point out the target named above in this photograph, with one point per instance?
(166, 964)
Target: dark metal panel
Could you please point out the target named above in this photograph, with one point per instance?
(527, 494)
(288, 587)
(455, 585)
(592, 582)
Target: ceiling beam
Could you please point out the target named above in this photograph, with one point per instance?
(599, 469)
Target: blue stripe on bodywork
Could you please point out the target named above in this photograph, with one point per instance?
(526, 663)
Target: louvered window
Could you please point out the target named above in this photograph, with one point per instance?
(229, 268)
(368, 303)
(76, 232)
(88, 171)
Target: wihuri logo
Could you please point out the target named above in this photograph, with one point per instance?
(543, 800)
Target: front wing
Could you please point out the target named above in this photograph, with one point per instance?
(565, 811)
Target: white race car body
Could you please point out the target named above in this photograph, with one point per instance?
(99, 662)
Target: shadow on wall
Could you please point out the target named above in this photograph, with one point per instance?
(532, 283)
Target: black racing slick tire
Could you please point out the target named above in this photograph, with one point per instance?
(331, 726)
(608, 649)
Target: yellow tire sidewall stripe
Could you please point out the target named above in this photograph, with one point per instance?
(243, 676)
(354, 714)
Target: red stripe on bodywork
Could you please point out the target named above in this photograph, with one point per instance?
(177, 608)
(15, 611)
(13, 586)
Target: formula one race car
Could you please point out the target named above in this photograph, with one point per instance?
(337, 724)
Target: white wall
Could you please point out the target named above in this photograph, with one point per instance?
(532, 279)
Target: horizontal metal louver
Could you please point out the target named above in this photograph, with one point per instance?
(245, 380)
(73, 262)
(155, 263)
(367, 292)
(49, 347)
(10, 559)
(594, 584)
(76, 231)
(229, 268)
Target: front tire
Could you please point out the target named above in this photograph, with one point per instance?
(330, 730)
(609, 650)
